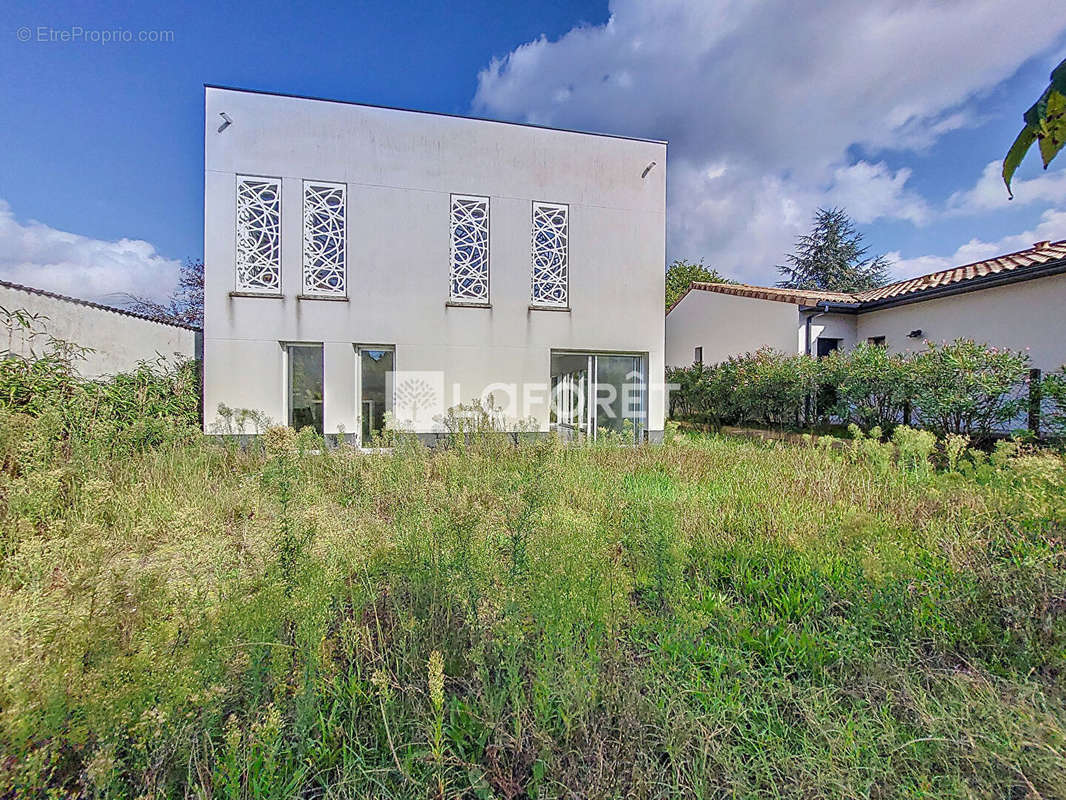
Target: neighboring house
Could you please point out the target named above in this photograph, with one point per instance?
(363, 260)
(1016, 301)
(118, 339)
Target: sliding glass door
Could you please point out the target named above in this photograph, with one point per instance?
(620, 394)
(571, 378)
(593, 392)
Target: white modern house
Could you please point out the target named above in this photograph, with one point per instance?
(363, 260)
(1016, 301)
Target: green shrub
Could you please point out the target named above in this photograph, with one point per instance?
(955, 445)
(1053, 390)
(771, 388)
(870, 448)
(872, 385)
(968, 388)
(156, 402)
(764, 388)
(962, 388)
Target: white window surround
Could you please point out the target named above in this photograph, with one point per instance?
(258, 235)
(325, 239)
(468, 275)
(550, 255)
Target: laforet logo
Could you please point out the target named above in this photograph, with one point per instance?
(418, 396)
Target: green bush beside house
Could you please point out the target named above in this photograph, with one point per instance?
(961, 388)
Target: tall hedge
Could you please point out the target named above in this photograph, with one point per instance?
(961, 387)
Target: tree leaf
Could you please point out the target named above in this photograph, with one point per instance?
(1045, 120)
(1016, 154)
(1054, 127)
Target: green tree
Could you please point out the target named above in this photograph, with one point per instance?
(681, 274)
(1045, 122)
(833, 258)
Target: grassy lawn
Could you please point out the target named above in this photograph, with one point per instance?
(713, 617)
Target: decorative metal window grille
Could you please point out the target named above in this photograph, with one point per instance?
(259, 235)
(551, 238)
(324, 238)
(469, 278)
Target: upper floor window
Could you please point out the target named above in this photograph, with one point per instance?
(469, 273)
(258, 258)
(325, 239)
(551, 241)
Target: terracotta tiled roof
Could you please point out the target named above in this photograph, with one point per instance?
(1019, 263)
(90, 304)
(805, 297)
(1039, 253)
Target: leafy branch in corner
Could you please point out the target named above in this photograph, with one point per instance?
(1045, 123)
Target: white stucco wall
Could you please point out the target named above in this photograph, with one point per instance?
(828, 326)
(400, 168)
(725, 325)
(1027, 314)
(118, 340)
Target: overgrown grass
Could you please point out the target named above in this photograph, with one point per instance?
(712, 617)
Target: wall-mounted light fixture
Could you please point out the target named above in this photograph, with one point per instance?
(915, 334)
(647, 169)
(226, 121)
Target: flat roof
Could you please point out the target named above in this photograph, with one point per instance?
(431, 113)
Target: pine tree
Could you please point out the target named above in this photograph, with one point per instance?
(832, 257)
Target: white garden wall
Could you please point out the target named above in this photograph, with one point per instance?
(118, 340)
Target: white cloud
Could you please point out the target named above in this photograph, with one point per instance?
(871, 191)
(1052, 227)
(37, 255)
(989, 193)
(764, 103)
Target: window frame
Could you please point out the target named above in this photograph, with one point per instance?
(305, 289)
(537, 302)
(246, 289)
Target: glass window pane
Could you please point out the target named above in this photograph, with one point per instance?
(569, 378)
(374, 367)
(305, 386)
(620, 393)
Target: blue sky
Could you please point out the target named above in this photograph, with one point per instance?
(771, 109)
